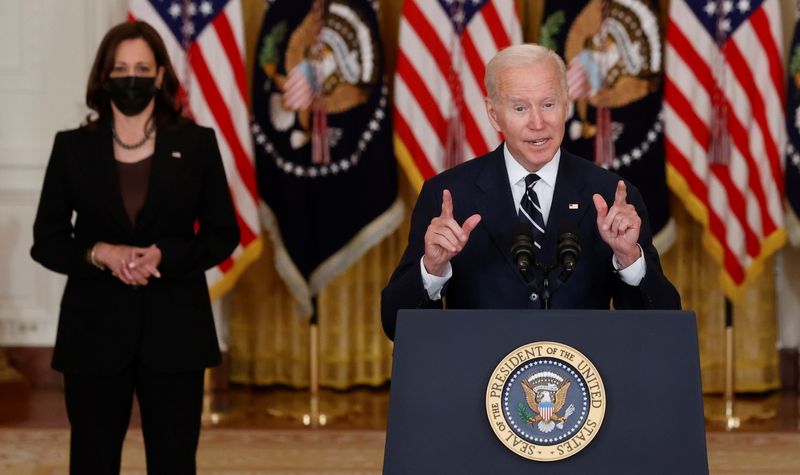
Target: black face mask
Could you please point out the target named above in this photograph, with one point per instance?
(131, 94)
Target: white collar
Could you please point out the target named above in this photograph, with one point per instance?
(517, 172)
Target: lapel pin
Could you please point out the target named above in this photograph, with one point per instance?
(573, 206)
(176, 154)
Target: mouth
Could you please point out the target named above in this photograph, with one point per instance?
(537, 142)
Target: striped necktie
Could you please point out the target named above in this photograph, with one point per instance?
(530, 211)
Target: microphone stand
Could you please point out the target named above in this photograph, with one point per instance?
(547, 289)
(567, 255)
(542, 290)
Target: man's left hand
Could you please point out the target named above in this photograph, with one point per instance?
(619, 226)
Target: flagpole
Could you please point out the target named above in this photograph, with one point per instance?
(731, 421)
(314, 418)
(730, 418)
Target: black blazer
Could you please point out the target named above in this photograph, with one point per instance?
(104, 324)
(484, 275)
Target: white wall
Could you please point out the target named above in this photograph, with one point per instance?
(46, 50)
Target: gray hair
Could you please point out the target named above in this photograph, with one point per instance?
(521, 55)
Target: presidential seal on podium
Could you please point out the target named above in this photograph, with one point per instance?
(545, 401)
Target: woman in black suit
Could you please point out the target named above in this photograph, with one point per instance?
(134, 208)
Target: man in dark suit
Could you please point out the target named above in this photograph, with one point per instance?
(459, 245)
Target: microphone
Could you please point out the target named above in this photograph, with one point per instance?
(522, 248)
(568, 250)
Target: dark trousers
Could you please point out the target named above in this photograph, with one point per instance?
(99, 410)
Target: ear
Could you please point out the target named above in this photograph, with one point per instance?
(491, 112)
(159, 76)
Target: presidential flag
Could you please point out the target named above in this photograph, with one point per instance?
(439, 113)
(793, 142)
(613, 51)
(326, 171)
(205, 41)
(725, 129)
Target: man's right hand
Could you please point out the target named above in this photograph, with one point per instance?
(445, 237)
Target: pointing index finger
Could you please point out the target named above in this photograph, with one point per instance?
(621, 195)
(447, 204)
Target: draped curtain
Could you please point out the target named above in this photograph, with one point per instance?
(269, 338)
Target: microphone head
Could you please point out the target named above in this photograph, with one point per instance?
(569, 249)
(522, 247)
(522, 236)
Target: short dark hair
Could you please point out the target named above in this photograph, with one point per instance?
(167, 108)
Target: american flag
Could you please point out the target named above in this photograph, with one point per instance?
(439, 92)
(205, 41)
(724, 67)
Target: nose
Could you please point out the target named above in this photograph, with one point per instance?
(535, 119)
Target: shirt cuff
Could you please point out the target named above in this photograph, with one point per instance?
(634, 273)
(433, 283)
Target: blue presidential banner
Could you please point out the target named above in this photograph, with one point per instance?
(793, 135)
(324, 157)
(614, 52)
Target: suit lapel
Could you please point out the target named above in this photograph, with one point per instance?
(108, 180)
(570, 203)
(167, 159)
(496, 205)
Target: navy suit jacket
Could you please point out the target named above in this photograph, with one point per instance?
(484, 274)
(104, 324)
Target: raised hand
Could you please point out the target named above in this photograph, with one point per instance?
(619, 226)
(445, 237)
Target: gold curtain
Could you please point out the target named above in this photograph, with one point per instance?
(269, 338)
(696, 275)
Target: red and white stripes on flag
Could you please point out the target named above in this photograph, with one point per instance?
(739, 202)
(205, 41)
(440, 72)
(578, 83)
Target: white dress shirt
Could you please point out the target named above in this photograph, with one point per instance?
(544, 188)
